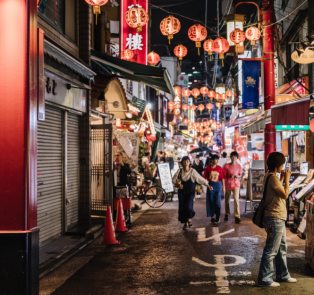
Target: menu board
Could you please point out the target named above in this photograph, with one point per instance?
(305, 190)
(165, 177)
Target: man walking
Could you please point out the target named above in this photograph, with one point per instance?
(215, 176)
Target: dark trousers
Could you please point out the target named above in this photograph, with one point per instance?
(213, 199)
(186, 210)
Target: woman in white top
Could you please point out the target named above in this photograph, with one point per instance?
(185, 179)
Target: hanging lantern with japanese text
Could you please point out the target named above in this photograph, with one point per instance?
(211, 94)
(186, 93)
(201, 108)
(197, 33)
(237, 36)
(127, 54)
(253, 34)
(204, 90)
(180, 51)
(153, 58)
(221, 46)
(209, 106)
(170, 26)
(195, 93)
(136, 17)
(208, 46)
(96, 6)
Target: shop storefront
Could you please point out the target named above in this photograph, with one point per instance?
(58, 143)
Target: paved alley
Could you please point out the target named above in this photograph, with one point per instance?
(158, 257)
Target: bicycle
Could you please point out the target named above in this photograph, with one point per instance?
(154, 195)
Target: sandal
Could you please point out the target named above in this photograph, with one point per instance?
(190, 224)
(185, 227)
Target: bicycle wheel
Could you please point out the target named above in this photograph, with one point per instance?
(155, 196)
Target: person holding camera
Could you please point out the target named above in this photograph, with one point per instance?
(185, 179)
(275, 217)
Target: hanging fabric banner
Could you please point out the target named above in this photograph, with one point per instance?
(250, 84)
(239, 146)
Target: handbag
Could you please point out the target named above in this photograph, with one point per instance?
(179, 181)
(260, 211)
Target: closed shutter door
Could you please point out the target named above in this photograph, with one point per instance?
(73, 188)
(49, 167)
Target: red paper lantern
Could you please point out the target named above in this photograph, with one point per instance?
(217, 96)
(180, 117)
(208, 46)
(177, 105)
(185, 107)
(180, 51)
(223, 96)
(229, 93)
(209, 106)
(171, 105)
(176, 112)
(197, 33)
(177, 90)
(151, 138)
(185, 121)
(127, 54)
(312, 125)
(193, 108)
(136, 17)
(170, 26)
(237, 36)
(253, 34)
(201, 108)
(221, 45)
(96, 6)
(153, 58)
(190, 124)
(211, 94)
(186, 93)
(195, 93)
(204, 90)
(218, 105)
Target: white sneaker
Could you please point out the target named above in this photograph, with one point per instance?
(273, 284)
(291, 280)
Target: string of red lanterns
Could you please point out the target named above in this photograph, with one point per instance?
(197, 33)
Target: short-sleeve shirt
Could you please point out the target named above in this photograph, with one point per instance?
(214, 174)
(275, 206)
(232, 183)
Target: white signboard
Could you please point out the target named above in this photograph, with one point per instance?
(183, 80)
(165, 177)
(178, 139)
(132, 160)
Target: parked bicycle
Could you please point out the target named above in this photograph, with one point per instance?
(154, 195)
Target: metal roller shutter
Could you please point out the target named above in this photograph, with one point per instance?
(73, 183)
(49, 167)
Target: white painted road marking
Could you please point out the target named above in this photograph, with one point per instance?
(201, 237)
(220, 272)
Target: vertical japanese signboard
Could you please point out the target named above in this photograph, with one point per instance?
(239, 145)
(129, 38)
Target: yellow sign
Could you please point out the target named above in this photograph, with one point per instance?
(306, 58)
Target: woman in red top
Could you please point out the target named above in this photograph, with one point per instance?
(233, 172)
(214, 174)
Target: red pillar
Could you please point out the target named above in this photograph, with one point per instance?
(269, 72)
(18, 146)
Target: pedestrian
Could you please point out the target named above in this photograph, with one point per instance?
(215, 175)
(275, 195)
(233, 173)
(203, 159)
(223, 160)
(185, 179)
(208, 160)
(198, 166)
(146, 170)
(123, 170)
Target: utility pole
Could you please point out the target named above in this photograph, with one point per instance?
(269, 72)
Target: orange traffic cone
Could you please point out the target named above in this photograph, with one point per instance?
(109, 234)
(120, 221)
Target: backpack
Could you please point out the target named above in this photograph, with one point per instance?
(260, 211)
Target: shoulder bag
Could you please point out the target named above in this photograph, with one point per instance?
(179, 180)
(260, 211)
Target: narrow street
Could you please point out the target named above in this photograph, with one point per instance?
(158, 257)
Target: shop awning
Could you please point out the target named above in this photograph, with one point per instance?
(243, 120)
(257, 123)
(69, 61)
(155, 77)
(293, 112)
